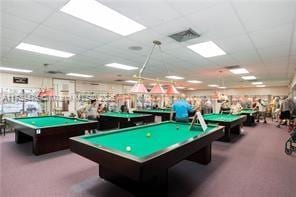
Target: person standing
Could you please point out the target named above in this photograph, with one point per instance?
(286, 108)
(92, 112)
(235, 107)
(261, 106)
(124, 107)
(182, 109)
(225, 107)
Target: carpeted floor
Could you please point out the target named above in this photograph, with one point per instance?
(254, 165)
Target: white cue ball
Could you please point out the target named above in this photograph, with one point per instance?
(128, 148)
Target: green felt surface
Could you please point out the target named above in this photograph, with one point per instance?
(49, 121)
(123, 115)
(162, 136)
(221, 117)
(155, 110)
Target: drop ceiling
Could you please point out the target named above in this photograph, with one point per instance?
(257, 35)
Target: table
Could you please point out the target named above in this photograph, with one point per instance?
(143, 170)
(251, 116)
(111, 120)
(48, 133)
(166, 114)
(231, 122)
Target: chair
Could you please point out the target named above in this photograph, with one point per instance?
(2, 125)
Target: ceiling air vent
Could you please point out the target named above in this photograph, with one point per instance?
(54, 72)
(185, 35)
(232, 67)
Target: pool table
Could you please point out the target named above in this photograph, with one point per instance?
(112, 120)
(251, 116)
(166, 114)
(143, 169)
(231, 122)
(48, 133)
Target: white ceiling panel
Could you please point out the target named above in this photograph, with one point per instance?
(52, 3)
(73, 26)
(265, 14)
(224, 60)
(27, 10)
(186, 7)
(247, 58)
(268, 37)
(71, 41)
(147, 13)
(52, 44)
(274, 52)
(30, 56)
(17, 24)
(235, 43)
(147, 36)
(12, 35)
(255, 35)
(217, 22)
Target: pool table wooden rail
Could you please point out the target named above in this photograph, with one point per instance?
(145, 176)
(48, 139)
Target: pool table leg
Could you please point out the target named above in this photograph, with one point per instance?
(227, 134)
(21, 137)
(156, 186)
(203, 156)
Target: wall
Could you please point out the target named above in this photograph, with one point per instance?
(281, 91)
(102, 87)
(6, 81)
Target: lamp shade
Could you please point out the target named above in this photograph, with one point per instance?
(139, 88)
(45, 93)
(157, 89)
(41, 93)
(49, 92)
(172, 90)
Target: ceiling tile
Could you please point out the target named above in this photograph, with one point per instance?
(265, 14)
(216, 22)
(27, 10)
(280, 35)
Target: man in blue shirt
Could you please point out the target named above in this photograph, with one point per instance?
(182, 109)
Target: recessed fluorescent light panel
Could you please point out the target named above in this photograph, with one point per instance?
(130, 81)
(222, 87)
(174, 77)
(194, 81)
(79, 75)
(257, 83)
(121, 66)
(207, 49)
(238, 71)
(98, 14)
(213, 85)
(260, 86)
(190, 89)
(43, 50)
(249, 77)
(15, 70)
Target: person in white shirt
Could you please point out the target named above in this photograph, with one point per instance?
(235, 107)
(261, 106)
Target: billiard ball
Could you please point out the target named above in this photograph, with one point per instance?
(148, 134)
(128, 148)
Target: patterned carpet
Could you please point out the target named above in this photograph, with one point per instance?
(253, 165)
